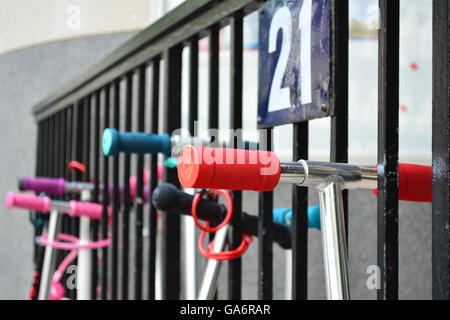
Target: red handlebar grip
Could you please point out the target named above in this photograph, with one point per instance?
(414, 183)
(228, 169)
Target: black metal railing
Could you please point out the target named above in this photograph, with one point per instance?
(71, 120)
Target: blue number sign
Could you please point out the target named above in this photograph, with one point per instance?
(294, 65)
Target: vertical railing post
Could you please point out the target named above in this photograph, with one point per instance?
(236, 87)
(38, 254)
(126, 189)
(339, 122)
(300, 219)
(154, 114)
(96, 193)
(106, 197)
(171, 222)
(139, 197)
(265, 223)
(388, 123)
(116, 199)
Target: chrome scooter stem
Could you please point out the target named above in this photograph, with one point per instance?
(190, 245)
(209, 282)
(84, 274)
(330, 179)
(48, 266)
(334, 242)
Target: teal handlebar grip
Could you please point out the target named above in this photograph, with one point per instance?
(114, 142)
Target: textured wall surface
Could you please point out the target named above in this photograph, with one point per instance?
(27, 76)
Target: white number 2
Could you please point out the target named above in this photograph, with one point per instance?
(279, 97)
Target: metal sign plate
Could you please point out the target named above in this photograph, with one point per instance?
(294, 63)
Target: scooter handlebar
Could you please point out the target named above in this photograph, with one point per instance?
(168, 198)
(229, 169)
(53, 186)
(29, 202)
(232, 169)
(114, 142)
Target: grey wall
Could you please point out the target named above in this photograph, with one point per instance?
(27, 76)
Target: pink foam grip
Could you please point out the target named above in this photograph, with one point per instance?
(414, 183)
(29, 202)
(85, 209)
(133, 190)
(229, 169)
(147, 173)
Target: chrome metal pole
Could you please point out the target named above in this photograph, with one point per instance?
(190, 258)
(209, 282)
(333, 238)
(48, 266)
(84, 274)
(312, 174)
(330, 179)
(288, 275)
(78, 187)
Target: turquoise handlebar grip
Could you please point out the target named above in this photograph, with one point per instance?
(114, 142)
(284, 216)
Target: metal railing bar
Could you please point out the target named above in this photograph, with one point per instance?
(139, 199)
(441, 146)
(265, 241)
(171, 222)
(388, 124)
(236, 101)
(106, 198)
(300, 218)
(116, 199)
(126, 190)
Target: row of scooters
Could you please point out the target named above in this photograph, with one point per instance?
(204, 173)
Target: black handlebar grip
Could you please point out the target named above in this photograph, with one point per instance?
(168, 198)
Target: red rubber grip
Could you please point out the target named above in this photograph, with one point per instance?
(414, 183)
(228, 169)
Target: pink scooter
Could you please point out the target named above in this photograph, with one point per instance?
(50, 287)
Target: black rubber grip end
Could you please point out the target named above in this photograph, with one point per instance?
(165, 196)
(21, 184)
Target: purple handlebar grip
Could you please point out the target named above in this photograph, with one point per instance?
(27, 201)
(40, 184)
(85, 209)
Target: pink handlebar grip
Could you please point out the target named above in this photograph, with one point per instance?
(27, 201)
(85, 209)
(228, 169)
(414, 183)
